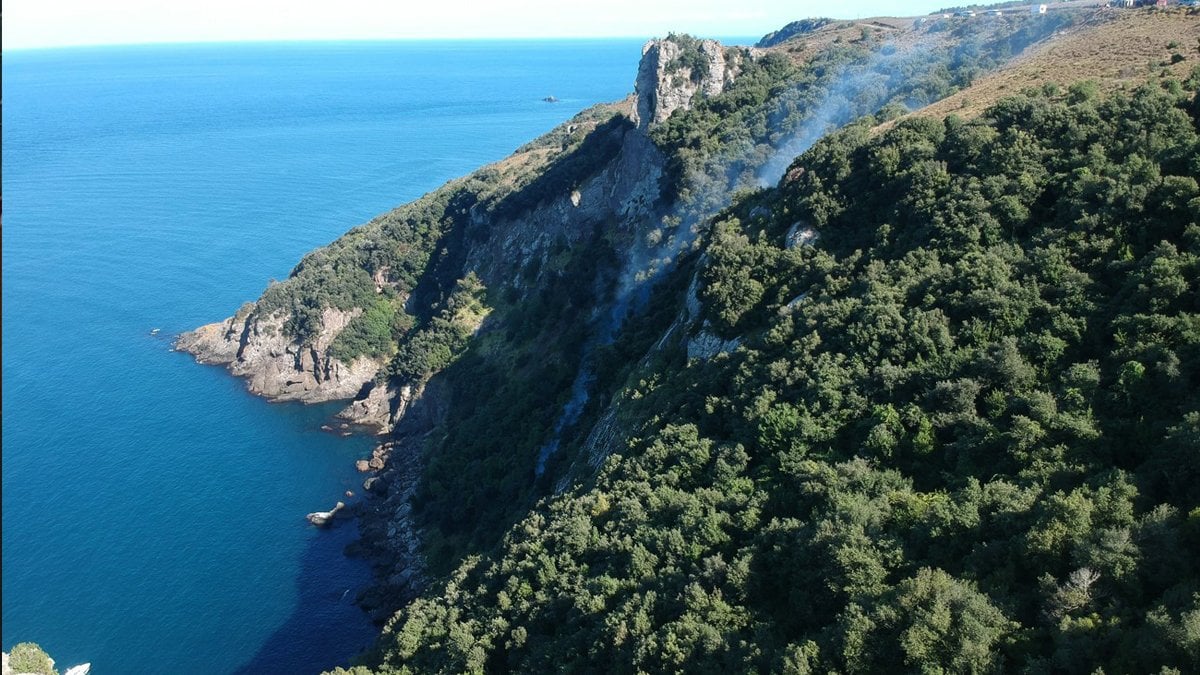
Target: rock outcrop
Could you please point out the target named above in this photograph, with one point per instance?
(276, 366)
(705, 345)
(323, 518)
(672, 72)
(390, 539)
(800, 234)
(380, 406)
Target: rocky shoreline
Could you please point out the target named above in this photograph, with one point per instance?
(275, 367)
(388, 537)
(281, 371)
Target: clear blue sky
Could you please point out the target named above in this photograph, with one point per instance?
(50, 23)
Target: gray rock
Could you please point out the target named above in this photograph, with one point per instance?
(705, 345)
(664, 86)
(276, 367)
(801, 234)
(323, 518)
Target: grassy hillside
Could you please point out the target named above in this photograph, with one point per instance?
(1114, 48)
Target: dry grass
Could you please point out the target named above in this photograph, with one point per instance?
(897, 32)
(523, 162)
(1116, 48)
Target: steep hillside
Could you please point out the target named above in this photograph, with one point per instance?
(658, 395)
(954, 428)
(1113, 47)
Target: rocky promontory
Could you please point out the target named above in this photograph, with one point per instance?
(275, 365)
(515, 238)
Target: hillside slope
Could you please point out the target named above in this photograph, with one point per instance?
(958, 434)
(1114, 48)
(660, 396)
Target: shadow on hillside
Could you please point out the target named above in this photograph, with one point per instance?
(326, 629)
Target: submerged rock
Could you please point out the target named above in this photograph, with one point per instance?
(322, 518)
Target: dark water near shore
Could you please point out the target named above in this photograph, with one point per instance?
(152, 510)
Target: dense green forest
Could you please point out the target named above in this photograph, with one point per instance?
(960, 433)
(512, 383)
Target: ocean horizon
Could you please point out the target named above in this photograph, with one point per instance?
(742, 40)
(153, 510)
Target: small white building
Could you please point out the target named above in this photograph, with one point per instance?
(1039, 9)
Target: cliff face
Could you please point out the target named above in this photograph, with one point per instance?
(671, 74)
(620, 191)
(622, 199)
(587, 195)
(276, 366)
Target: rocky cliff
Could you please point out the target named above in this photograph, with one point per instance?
(520, 254)
(587, 195)
(276, 366)
(622, 192)
(673, 71)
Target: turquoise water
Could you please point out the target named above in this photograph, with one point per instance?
(153, 512)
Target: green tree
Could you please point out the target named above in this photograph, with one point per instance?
(28, 657)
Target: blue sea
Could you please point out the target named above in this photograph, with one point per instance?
(153, 511)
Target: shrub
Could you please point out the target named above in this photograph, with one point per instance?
(28, 657)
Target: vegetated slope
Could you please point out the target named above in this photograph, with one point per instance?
(477, 325)
(798, 479)
(526, 405)
(960, 432)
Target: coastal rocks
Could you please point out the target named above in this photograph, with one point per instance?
(388, 535)
(377, 462)
(257, 348)
(389, 539)
(673, 71)
(380, 406)
(379, 457)
(323, 518)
